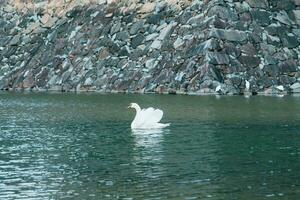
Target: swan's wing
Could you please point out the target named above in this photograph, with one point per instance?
(150, 116)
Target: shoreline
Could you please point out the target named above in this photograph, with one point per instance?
(245, 94)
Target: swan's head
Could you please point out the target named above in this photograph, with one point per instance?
(134, 105)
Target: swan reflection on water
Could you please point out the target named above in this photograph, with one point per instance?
(148, 138)
(149, 150)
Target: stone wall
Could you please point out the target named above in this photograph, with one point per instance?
(195, 47)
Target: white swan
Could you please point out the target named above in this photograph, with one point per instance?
(147, 118)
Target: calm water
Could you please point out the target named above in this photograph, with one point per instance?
(68, 146)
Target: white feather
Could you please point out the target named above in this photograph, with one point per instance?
(147, 118)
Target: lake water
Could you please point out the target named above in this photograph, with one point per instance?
(80, 146)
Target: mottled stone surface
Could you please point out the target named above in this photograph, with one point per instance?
(155, 46)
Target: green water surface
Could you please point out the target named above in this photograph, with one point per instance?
(80, 146)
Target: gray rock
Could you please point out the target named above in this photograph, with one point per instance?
(230, 35)
(166, 32)
(88, 64)
(283, 18)
(223, 12)
(201, 49)
(151, 63)
(297, 2)
(178, 43)
(295, 87)
(270, 60)
(274, 40)
(15, 40)
(258, 3)
(297, 32)
(123, 36)
(156, 44)
(137, 26)
(297, 16)
(217, 58)
(151, 36)
(268, 48)
(215, 43)
(286, 5)
(88, 82)
(115, 28)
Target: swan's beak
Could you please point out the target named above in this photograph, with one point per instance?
(129, 107)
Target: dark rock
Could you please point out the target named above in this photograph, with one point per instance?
(287, 80)
(236, 80)
(154, 18)
(220, 24)
(290, 41)
(137, 40)
(235, 66)
(136, 54)
(275, 30)
(249, 50)
(129, 18)
(254, 37)
(232, 49)
(115, 28)
(261, 17)
(123, 52)
(288, 66)
(267, 82)
(250, 61)
(9, 51)
(271, 70)
(74, 12)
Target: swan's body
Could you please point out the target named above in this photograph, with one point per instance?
(147, 118)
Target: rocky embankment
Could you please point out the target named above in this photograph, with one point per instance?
(200, 46)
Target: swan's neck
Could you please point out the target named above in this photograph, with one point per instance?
(137, 108)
